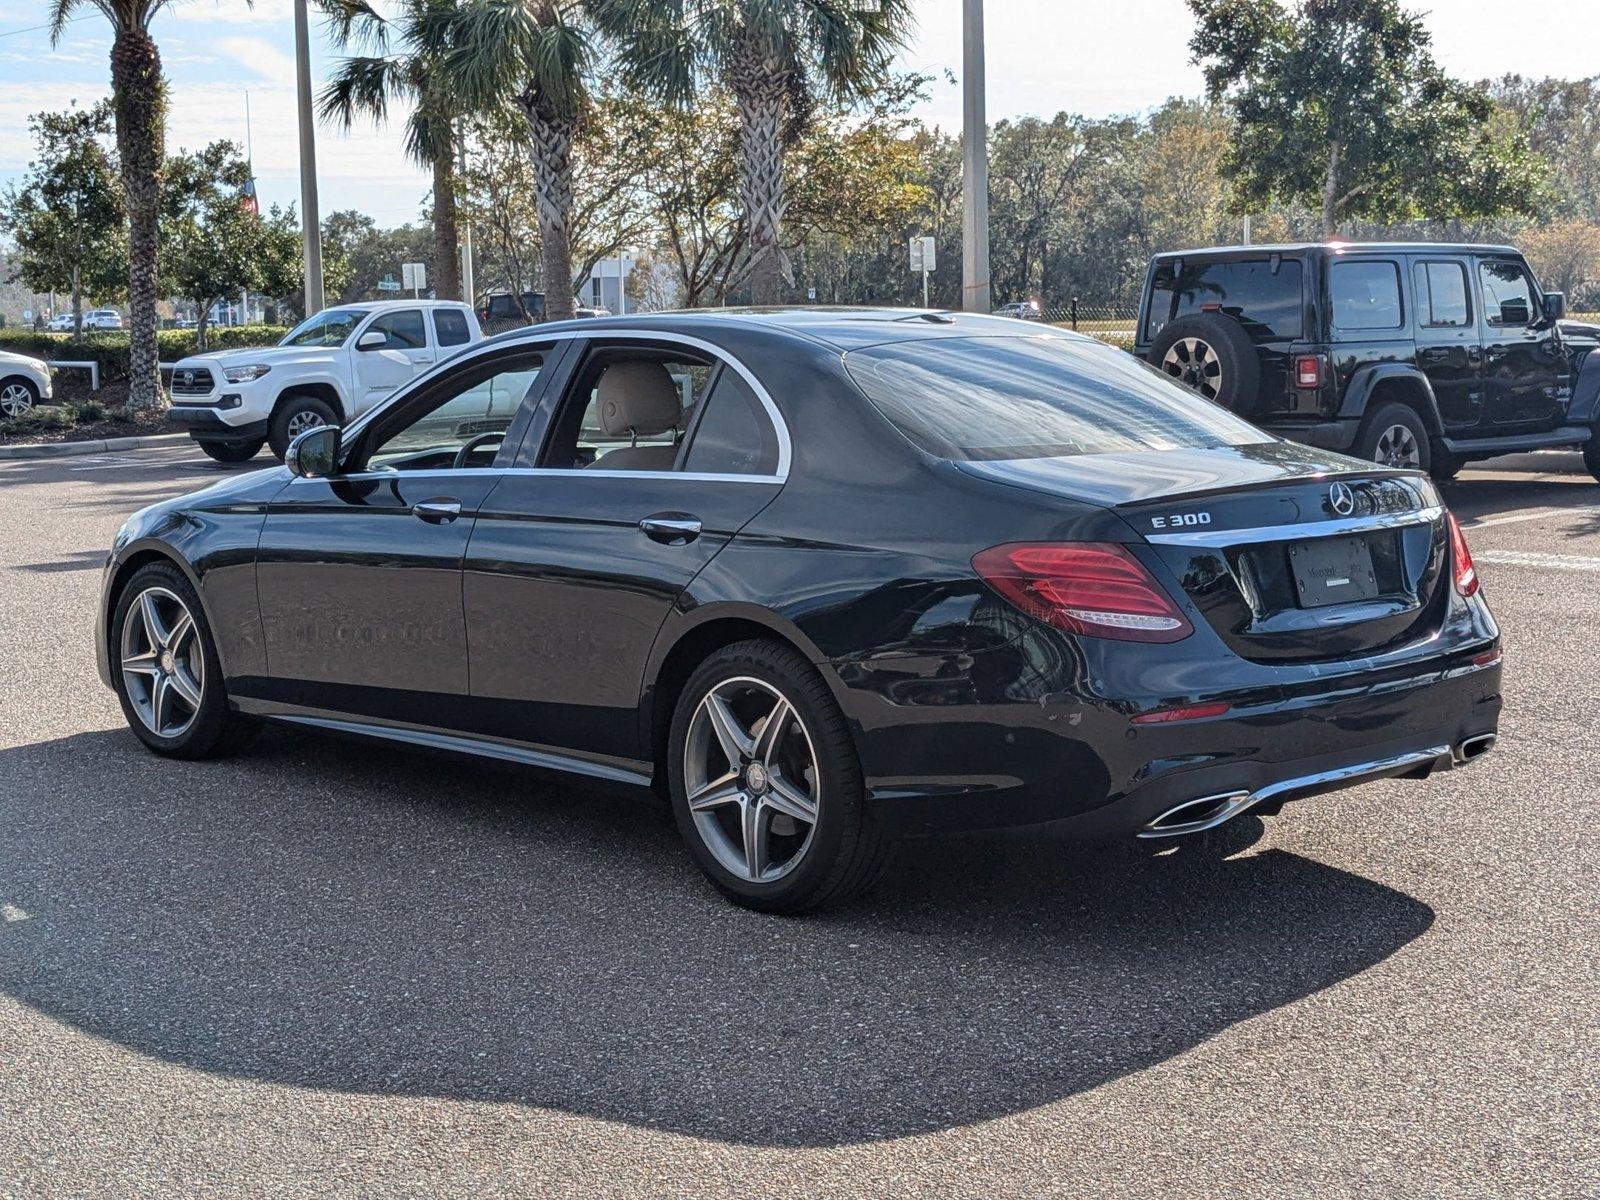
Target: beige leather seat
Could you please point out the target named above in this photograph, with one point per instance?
(635, 400)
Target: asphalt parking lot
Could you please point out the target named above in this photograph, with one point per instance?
(333, 969)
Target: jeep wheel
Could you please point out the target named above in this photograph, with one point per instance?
(1213, 355)
(295, 415)
(233, 452)
(1394, 436)
(1591, 454)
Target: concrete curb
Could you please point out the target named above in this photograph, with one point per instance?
(98, 446)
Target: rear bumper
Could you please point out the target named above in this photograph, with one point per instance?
(1086, 771)
(206, 424)
(1325, 435)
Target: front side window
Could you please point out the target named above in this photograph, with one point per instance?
(967, 398)
(473, 411)
(1507, 293)
(1266, 299)
(734, 435)
(403, 330)
(450, 327)
(1442, 295)
(1365, 295)
(330, 327)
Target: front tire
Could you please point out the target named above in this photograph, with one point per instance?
(1591, 454)
(766, 784)
(166, 671)
(17, 397)
(294, 415)
(1394, 436)
(233, 452)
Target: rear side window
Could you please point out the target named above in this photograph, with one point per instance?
(1365, 295)
(1268, 303)
(1442, 295)
(1035, 397)
(403, 329)
(450, 326)
(735, 435)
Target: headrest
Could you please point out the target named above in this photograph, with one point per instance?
(637, 398)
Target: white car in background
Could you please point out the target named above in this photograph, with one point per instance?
(102, 318)
(61, 323)
(330, 369)
(24, 382)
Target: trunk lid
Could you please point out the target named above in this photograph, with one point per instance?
(1288, 552)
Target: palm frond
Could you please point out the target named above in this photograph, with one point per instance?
(355, 23)
(362, 87)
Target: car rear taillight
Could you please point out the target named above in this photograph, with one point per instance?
(1093, 588)
(1308, 370)
(1461, 559)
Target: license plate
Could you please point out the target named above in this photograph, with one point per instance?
(1332, 571)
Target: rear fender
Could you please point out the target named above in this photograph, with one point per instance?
(1417, 390)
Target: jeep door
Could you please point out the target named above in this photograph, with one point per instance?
(1449, 350)
(1523, 367)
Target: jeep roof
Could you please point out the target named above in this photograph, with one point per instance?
(1338, 247)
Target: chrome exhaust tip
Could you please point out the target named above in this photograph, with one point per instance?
(1197, 816)
(1472, 748)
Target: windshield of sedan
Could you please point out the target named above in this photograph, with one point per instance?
(330, 327)
(978, 398)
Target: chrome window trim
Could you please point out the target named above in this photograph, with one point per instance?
(483, 349)
(1297, 533)
(562, 472)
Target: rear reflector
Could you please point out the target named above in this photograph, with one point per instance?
(1193, 712)
(1097, 589)
(1461, 559)
(1487, 659)
(1308, 370)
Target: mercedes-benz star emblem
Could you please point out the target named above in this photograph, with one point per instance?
(1342, 499)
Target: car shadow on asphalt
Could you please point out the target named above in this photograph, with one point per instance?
(352, 917)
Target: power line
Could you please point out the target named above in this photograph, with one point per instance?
(46, 25)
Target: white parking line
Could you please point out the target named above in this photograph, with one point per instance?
(1531, 558)
(1515, 518)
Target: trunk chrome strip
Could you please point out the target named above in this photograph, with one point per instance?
(1297, 533)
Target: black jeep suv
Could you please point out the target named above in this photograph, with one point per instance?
(1409, 354)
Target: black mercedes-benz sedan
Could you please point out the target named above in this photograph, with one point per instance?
(826, 578)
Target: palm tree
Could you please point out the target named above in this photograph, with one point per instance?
(139, 107)
(536, 53)
(365, 85)
(777, 57)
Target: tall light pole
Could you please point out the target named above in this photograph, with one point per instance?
(974, 164)
(468, 290)
(310, 222)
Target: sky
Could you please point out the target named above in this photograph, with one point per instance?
(1096, 57)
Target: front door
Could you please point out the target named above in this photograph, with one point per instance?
(654, 459)
(1448, 349)
(359, 576)
(1523, 364)
(405, 353)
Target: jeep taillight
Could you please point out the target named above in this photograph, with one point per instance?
(1308, 370)
(1097, 589)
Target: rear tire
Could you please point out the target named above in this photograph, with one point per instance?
(1591, 454)
(233, 452)
(1213, 355)
(294, 415)
(165, 669)
(1394, 436)
(722, 750)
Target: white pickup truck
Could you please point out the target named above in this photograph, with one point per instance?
(331, 367)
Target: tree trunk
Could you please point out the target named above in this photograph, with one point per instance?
(202, 326)
(139, 104)
(1330, 194)
(446, 247)
(759, 89)
(552, 185)
(77, 301)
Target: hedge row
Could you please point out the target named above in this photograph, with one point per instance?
(109, 348)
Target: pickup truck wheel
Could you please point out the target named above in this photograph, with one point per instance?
(233, 452)
(295, 415)
(1213, 355)
(1591, 454)
(1394, 436)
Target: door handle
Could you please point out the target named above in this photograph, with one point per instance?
(437, 512)
(671, 528)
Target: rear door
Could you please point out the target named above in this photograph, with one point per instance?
(574, 565)
(1449, 351)
(1523, 366)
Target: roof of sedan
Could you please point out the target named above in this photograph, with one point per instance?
(842, 328)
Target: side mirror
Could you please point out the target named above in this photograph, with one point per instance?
(372, 339)
(314, 454)
(1555, 305)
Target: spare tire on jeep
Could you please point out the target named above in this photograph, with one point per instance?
(1212, 354)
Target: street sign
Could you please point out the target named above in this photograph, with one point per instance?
(923, 256)
(811, 293)
(414, 276)
(388, 284)
(27, 315)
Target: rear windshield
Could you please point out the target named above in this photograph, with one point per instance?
(1035, 397)
(1268, 303)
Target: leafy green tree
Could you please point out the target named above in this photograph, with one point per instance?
(777, 58)
(405, 64)
(67, 218)
(1340, 104)
(139, 109)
